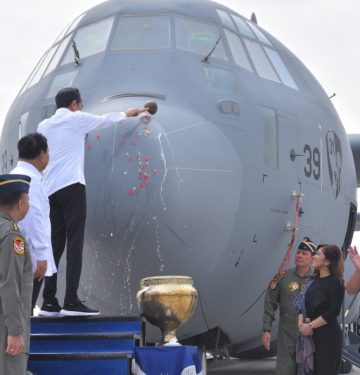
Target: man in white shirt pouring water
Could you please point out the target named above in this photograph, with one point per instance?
(65, 184)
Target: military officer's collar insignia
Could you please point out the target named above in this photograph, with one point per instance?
(14, 226)
(282, 273)
(293, 286)
(19, 245)
(273, 284)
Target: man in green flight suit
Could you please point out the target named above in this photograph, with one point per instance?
(16, 278)
(282, 290)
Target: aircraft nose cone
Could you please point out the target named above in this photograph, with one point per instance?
(164, 192)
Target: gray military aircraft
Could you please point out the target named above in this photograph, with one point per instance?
(211, 185)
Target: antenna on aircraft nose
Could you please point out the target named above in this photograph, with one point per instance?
(334, 94)
(253, 18)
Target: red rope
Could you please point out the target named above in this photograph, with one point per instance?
(287, 257)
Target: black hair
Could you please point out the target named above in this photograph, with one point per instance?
(31, 146)
(10, 199)
(66, 96)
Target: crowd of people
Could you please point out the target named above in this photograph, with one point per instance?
(43, 208)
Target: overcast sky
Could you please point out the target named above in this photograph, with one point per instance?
(324, 34)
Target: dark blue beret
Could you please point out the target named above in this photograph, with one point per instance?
(14, 183)
(307, 245)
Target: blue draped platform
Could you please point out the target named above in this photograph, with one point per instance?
(167, 360)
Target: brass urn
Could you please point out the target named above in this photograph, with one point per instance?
(167, 302)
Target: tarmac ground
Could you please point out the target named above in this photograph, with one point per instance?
(244, 367)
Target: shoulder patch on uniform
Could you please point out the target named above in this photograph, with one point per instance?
(14, 226)
(19, 245)
(282, 273)
(273, 284)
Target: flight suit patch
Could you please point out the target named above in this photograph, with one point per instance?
(282, 273)
(19, 245)
(273, 284)
(293, 286)
(14, 226)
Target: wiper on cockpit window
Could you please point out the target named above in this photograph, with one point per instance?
(213, 49)
(76, 53)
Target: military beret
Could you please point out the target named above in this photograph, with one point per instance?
(307, 245)
(14, 183)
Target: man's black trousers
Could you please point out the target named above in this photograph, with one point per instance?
(67, 216)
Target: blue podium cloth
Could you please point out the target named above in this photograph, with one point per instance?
(167, 360)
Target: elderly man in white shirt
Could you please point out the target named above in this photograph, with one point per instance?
(65, 184)
(36, 227)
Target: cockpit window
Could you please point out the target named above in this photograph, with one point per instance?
(46, 64)
(237, 50)
(62, 34)
(281, 69)
(221, 79)
(145, 32)
(59, 52)
(199, 38)
(74, 23)
(69, 28)
(242, 26)
(31, 76)
(225, 18)
(260, 61)
(42, 66)
(259, 34)
(90, 40)
(60, 81)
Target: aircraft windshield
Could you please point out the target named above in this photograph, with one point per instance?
(261, 62)
(145, 32)
(198, 37)
(281, 69)
(69, 28)
(58, 54)
(41, 67)
(242, 26)
(259, 34)
(90, 40)
(225, 18)
(237, 50)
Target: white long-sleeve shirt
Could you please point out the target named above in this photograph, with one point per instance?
(36, 226)
(65, 132)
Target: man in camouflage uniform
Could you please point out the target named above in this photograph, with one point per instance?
(281, 292)
(16, 277)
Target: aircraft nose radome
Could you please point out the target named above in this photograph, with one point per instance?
(173, 181)
(173, 154)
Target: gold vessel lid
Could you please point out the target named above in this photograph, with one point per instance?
(160, 280)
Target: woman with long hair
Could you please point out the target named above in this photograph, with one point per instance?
(323, 300)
